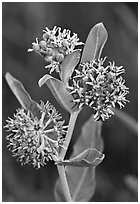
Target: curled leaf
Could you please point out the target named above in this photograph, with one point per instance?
(88, 158)
(94, 43)
(60, 92)
(68, 65)
(22, 95)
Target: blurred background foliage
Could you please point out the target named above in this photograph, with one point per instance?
(22, 22)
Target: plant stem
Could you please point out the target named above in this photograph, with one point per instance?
(64, 183)
(61, 169)
(72, 121)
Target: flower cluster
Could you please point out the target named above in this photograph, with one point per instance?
(36, 140)
(99, 87)
(54, 47)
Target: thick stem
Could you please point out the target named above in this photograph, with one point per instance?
(64, 183)
(72, 121)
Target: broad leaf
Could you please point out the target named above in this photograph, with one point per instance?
(94, 43)
(60, 92)
(68, 65)
(22, 95)
(82, 180)
(89, 158)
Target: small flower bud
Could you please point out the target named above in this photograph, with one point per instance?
(45, 36)
(48, 59)
(50, 51)
(36, 47)
(59, 57)
(43, 44)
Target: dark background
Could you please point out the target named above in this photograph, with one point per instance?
(22, 23)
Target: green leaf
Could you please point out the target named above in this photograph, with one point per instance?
(81, 180)
(128, 120)
(58, 192)
(68, 65)
(22, 95)
(89, 158)
(60, 92)
(94, 43)
(132, 183)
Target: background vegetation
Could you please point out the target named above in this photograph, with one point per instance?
(22, 22)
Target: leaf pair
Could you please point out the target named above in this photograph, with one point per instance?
(92, 49)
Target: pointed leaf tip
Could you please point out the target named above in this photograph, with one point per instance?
(68, 65)
(43, 80)
(22, 95)
(7, 75)
(95, 42)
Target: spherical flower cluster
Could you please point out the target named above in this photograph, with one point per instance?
(35, 140)
(99, 87)
(56, 44)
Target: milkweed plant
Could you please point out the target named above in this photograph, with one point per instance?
(37, 131)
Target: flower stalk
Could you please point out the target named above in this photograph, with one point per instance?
(72, 122)
(62, 174)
